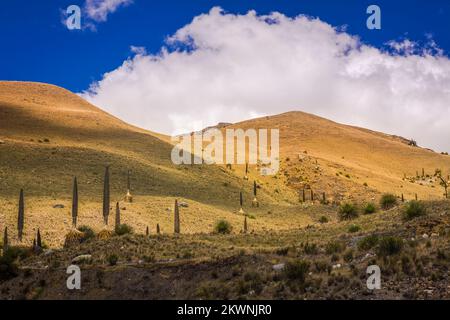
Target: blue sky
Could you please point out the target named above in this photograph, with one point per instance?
(242, 65)
(36, 46)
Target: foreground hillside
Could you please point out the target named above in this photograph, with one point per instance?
(327, 261)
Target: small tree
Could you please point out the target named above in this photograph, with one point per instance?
(75, 203)
(106, 196)
(117, 215)
(444, 184)
(21, 215)
(177, 218)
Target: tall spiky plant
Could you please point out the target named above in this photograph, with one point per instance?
(106, 197)
(147, 231)
(129, 197)
(241, 203)
(21, 215)
(158, 229)
(75, 203)
(177, 218)
(5, 240)
(246, 171)
(38, 239)
(117, 215)
(245, 225)
(255, 202)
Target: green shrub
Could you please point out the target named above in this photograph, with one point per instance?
(8, 266)
(310, 248)
(323, 219)
(297, 270)
(388, 201)
(113, 259)
(88, 233)
(354, 228)
(413, 210)
(347, 211)
(348, 255)
(123, 229)
(223, 227)
(388, 246)
(368, 242)
(334, 247)
(370, 208)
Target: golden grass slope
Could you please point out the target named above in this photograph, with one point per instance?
(49, 135)
(341, 159)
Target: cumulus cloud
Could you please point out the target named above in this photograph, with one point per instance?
(226, 68)
(98, 10)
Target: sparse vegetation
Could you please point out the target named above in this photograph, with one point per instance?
(113, 259)
(297, 270)
(354, 228)
(413, 210)
(88, 233)
(323, 219)
(388, 246)
(123, 229)
(368, 242)
(223, 227)
(370, 208)
(348, 211)
(388, 201)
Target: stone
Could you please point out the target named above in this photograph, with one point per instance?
(85, 258)
(278, 267)
(58, 206)
(425, 236)
(184, 205)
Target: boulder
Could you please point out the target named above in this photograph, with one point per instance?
(86, 258)
(278, 267)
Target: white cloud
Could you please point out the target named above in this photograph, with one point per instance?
(226, 67)
(98, 10)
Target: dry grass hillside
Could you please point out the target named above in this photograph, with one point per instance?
(48, 135)
(348, 162)
(293, 249)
